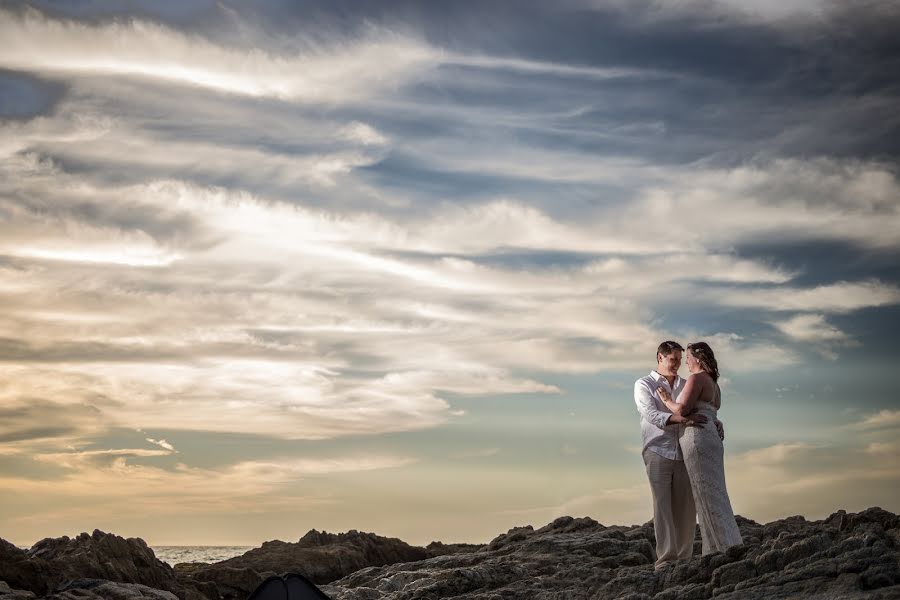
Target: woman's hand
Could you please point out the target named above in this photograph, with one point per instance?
(694, 420)
(664, 394)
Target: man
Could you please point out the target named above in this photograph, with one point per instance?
(674, 514)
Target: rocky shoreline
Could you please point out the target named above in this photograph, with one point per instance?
(847, 555)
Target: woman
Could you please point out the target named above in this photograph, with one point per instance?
(702, 449)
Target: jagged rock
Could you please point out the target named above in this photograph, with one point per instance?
(53, 563)
(106, 556)
(570, 558)
(846, 556)
(321, 556)
(441, 549)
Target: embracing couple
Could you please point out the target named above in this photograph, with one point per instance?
(683, 453)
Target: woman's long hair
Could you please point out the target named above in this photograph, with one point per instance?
(704, 355)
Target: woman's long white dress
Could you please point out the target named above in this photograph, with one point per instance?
(705, 462)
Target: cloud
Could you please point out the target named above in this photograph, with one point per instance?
(28, 419)
(789, 199)
(628, 503)
(812, 483)
(883, 419)
(771, 10)
(839, 297)
(811, 478)
(363, 133)
(340, 72)
(475, 453)
(735, 353)
(74, 460)
(883, 449)
(814, 329)
(162, 444)
(252, 486)
(811, 328)
(778, 454)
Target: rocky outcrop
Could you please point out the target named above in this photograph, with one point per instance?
(320, 556)
(845, 556)
(324, 557)
(54, 563)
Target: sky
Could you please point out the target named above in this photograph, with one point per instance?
(271, 266)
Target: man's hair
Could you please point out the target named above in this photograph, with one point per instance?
(667, 348)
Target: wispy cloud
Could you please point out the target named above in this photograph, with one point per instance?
(157, 492)
(36, 42)
(476, 453)
(312, 228)
(882, 419)
(840, 297)
(814, 329)
(162, 444)
(779, 454)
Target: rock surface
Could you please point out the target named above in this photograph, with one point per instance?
(53, 562)
(322, 557)
(845, 556)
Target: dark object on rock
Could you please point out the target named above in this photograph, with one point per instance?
(301, 588)
(290, 587)
(273, 588)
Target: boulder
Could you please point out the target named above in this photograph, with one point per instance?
(322, 557)
(54, 563)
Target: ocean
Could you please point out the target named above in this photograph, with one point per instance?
(208, 554)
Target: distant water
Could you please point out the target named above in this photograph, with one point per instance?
(208, 554)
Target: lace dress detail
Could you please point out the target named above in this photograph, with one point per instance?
(704, 459)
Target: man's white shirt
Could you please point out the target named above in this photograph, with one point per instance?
(657, 436)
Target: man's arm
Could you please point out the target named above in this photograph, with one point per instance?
(643, 398)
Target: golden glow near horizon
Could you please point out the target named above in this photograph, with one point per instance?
(255, 281)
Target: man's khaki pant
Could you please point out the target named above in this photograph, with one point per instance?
(674, 515)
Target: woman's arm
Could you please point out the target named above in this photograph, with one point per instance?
(688, 398)
(674, 408)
